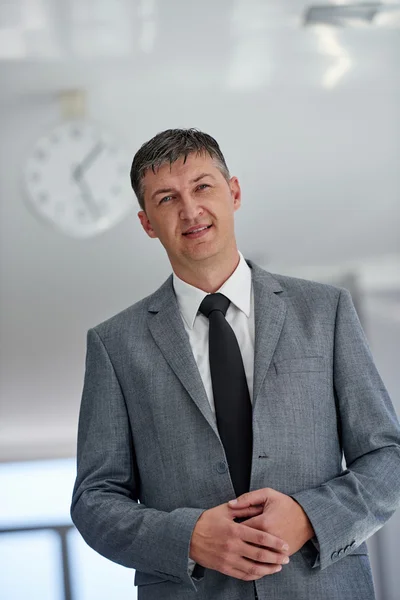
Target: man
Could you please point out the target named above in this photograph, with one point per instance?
(229, 379)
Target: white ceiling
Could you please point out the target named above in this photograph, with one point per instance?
(308, 119)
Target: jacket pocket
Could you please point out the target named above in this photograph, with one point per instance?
(300, 365)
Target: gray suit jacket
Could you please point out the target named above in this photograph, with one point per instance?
(150, 459)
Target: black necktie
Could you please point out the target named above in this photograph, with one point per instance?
(231, 395)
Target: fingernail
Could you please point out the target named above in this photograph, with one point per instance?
(285, 560)
(233, 501)
(278, 569)
(285, 547)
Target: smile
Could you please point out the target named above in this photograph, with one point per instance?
(197, 231)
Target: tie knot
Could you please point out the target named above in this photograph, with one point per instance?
(214, 302)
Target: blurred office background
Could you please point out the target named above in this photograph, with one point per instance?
(304, 100)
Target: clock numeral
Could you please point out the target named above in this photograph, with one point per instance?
(40, 154)
(76, 133)
(35, 177)
(43, 197)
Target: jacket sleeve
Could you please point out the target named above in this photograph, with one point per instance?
(105, 507)
(348, 509)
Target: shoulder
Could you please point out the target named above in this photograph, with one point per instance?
(306, 293)
(307, 287)
(130, 317)
(133, 318)
(311, 301)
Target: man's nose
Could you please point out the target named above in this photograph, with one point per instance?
(190, 208)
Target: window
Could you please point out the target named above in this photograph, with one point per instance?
(42, 555)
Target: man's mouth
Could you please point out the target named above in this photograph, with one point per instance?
(197, 230)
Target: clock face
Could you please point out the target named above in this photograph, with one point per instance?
(77, 178)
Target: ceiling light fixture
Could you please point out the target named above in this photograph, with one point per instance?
(353, 15)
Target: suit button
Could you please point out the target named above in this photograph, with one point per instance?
(222, 466)
(347, 548)
(352, 545)
(334, 555)
(340, 552)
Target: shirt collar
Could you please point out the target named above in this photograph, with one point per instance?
(237, 288)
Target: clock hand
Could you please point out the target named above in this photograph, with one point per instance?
(89, 200)
(87, 161)
(77, 175)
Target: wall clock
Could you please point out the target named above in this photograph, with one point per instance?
(77, 178)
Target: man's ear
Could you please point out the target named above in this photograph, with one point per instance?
(146, 224)
(236, 192)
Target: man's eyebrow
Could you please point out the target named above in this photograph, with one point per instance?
(201, 177)
(169, 190)
(162, 191)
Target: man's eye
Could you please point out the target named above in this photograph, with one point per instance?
(202, 186)
(165, 199)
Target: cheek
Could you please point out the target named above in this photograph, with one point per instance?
(168, 229)
(226, 218)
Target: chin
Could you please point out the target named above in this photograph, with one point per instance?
(202, 253)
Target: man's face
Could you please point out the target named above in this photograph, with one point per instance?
(184, 197)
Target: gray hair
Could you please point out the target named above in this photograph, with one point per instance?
(167, 147)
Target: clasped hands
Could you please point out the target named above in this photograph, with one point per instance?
(276, 527)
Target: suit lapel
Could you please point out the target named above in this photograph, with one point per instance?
(168, 331)
(269, 316)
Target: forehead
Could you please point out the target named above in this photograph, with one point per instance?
(181, 170)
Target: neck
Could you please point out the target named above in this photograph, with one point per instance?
(211, 276)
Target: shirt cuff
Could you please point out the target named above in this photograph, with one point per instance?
(191, 565)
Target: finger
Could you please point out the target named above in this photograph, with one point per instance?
(246, 511)
(250, 571)
(257, 522)
(240, 519)
(240, 509)
(250, 498)
(263, 555)
(244, 575)
(262, 538)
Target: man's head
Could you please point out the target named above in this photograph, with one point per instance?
(182, 183)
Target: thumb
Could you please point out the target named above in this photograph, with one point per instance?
(250, 499)
(244, 513)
